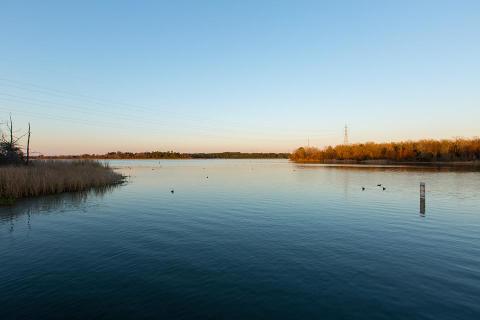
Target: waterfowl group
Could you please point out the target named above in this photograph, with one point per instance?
(378, 185)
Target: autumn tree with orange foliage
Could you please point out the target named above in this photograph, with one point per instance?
(422, 150)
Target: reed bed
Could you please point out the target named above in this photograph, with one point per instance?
(54, 176)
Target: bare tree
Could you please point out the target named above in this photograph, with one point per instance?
(28, 144)
(10, 150)
(10, 126)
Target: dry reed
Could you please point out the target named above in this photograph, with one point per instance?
(54, 176)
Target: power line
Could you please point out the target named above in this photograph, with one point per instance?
(92, 114)
(76, 97)
(110, 125)
(91, 111)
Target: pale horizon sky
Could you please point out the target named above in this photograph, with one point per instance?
(210, 76)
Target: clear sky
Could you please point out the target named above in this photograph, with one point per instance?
(98, 76)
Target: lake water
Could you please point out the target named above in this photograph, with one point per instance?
(257, 239)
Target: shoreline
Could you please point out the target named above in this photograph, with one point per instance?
(99, 159)
(380, 163)
(388, 163)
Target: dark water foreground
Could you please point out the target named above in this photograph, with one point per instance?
(254, 240)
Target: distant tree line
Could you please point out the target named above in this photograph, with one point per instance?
(172, 155)
(413, 151)
(239, 155)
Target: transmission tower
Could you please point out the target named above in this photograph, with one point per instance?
(345, 137)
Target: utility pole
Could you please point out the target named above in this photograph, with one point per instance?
(345, 137)
(28, 144)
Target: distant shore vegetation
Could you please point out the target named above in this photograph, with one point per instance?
(172, 155)
(453, 150)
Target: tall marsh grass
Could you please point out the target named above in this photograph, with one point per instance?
(54, 176)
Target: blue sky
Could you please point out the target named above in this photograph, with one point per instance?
(193, 76)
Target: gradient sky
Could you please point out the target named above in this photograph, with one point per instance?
(98, 76)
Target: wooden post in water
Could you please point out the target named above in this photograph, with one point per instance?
(422, 198)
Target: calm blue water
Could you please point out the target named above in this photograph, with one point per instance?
(255, 240)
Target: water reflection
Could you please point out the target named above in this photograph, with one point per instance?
(253, 231)
(346, 183)
(72, 201)
(422, 207)
(395, 168)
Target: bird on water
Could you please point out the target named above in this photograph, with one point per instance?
(172, 191)
(363, 188)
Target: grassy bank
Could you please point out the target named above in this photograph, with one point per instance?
(51, 177)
